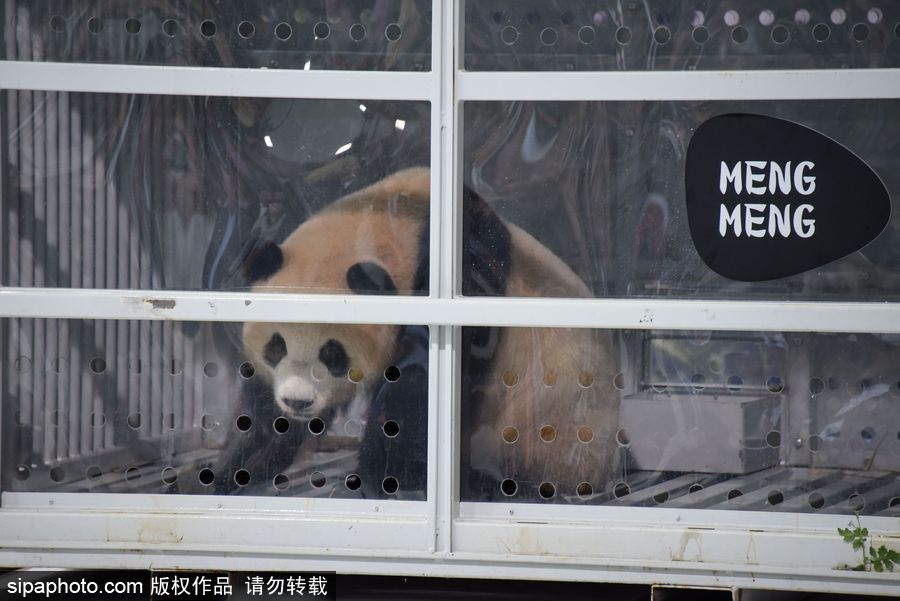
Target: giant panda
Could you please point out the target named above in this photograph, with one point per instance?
(525, 395)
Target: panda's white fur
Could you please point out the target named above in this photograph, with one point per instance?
(529, 381)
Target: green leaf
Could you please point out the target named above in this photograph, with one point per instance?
(857, 544)
(877, 565)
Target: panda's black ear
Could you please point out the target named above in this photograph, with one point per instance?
(263, 260)
(370, 278)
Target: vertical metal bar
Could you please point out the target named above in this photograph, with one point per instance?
(65, 174)
(102, 125)
(77, 160)
(88, 200)
(51, 177)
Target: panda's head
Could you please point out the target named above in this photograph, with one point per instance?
(372, 242)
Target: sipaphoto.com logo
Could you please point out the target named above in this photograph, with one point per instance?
(768, 198)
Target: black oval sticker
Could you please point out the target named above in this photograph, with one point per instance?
(768, 198)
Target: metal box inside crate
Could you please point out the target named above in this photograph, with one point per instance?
(703, 432)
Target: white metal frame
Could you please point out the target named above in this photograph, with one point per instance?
(441, 535)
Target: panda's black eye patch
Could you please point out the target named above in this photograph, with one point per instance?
(275, 349)
(370, 278)
(334, 357)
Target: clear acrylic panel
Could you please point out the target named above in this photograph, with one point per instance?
(391, 35)
(758, 421)
(633, 35)
(179, 193)
(601, 186)
(205, 408)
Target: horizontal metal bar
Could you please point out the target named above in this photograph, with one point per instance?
(680, 85)
(512, 312)
(215, 81)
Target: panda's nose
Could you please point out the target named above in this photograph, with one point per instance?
(298, 404)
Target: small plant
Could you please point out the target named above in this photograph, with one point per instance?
(880, 559)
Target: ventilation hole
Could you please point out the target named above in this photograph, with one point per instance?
(547, 490)
(246, 29)
(509, 35)
(821, 32)
(357, 32)
(780, 34)
(132, 474)
(549, 36)
(133, 26)
(133, 420)
(321, 30)
(175, 367)
(498, 17)
(775, 384)
(243, 422)
(735, 383)
(95, 25)
(695, 488)
(734, 494)
(698, 381)
(390, 485)
(860, 32)
(584, 489)
(283, 31)
(242, 477)
(206, 476)
(619, 381)
(93, 472)
(352, 482)
(170, 27)
(622, 438)
(169, 421)
(816, 500)
(838, 16)
(98, 365)
(317, 479)
(739, 35)
(22, 472)
(856, 502)
(621, 490)
(548, 433)
(281, 425)
(550, 379)
(659, 388)
(353, 428)
(585, 379)
(587, 35)
(98, 420)
(23, 365)
(318, 372)
(816, 386)
(815, 443)
(874, 16)
(208, 422)
(732, 18)
(169, 476)
(894, 502)
(585, 434)
(57, 24)
(661, 498)
(623, 35)
(510, 379)
(802, 17)
(393, 32)
(316, 426)
(211, 370)
(208, 28)
(280, 481)
(566, 18)
(392, 373)
(391, 428)
(766, 18)
(700, 35)
(510, 434)
(867, 434)
(136, 366)
(533, 18)
(246, 370)
(773, 439)
(355, 375)
(509, 487)
(662, 35)
(58, 474)
(775, 497)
